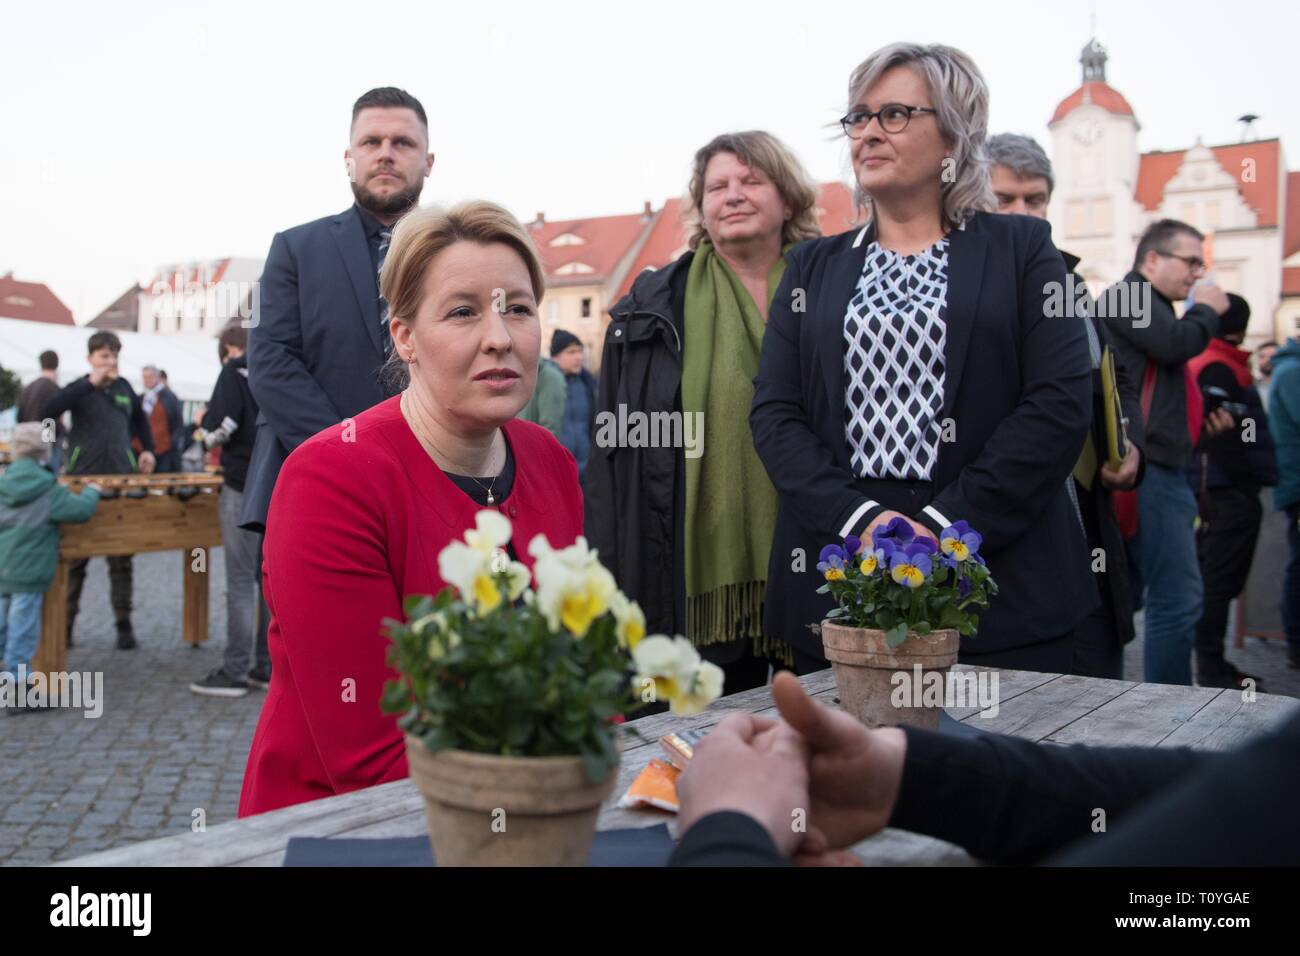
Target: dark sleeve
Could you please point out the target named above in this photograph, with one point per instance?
(295, 405)
(226, 401)
(139, 420)
(1015, 801)
(598, 488)
(67, 397)
(1004, 490)
(173, 408)
(1235, 810)
(1162, 337)
(802, 468)
(726, 838)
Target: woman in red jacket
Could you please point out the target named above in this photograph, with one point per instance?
(361, 510)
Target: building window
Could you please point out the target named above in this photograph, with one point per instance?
(586, 308)
(1212, 214)
(1101, 224)
(1076, 218)
(157, 322)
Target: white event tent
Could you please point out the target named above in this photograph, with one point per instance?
(189, 359)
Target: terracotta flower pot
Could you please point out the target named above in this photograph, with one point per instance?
(865, 666)
(485, 810)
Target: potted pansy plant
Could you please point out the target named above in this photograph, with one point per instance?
(512, 688)
(903, 602)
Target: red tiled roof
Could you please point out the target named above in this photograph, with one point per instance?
(1098, 93)
(1291, 281)
(1291, 231)
(32, 301)
(1260, 194)
(606, 239)
(176, 278)
(835, 214)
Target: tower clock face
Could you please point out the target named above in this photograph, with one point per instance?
(1088, 133)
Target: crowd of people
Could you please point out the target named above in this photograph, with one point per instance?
(394, 385)
(99, 425)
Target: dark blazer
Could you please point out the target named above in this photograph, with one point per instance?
(314, 350)
(1018, 390)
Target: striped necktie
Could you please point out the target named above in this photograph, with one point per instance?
(384, 236)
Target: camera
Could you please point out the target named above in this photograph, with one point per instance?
(1216, 397)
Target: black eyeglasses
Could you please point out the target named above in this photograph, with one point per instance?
(1195, 263)
(893, 118)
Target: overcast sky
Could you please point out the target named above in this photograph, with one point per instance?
(134, 134)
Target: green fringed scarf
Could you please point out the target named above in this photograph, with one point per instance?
(730, 501)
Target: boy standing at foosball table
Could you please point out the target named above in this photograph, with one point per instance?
(106, 414)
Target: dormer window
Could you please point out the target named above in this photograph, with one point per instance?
(573, 269)
(567, 239)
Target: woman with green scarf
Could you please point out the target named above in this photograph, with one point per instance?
(686, 524)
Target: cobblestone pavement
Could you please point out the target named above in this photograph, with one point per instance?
(71, 785)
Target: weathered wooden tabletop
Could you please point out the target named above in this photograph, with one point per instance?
(1047, 707)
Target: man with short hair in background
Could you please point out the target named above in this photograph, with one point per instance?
(320, 336)
(31, 404)
(1155, 346)
(106, 415)
(229, 423)
(163, 409)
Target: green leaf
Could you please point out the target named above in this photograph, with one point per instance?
(896, 635)
(395, 698)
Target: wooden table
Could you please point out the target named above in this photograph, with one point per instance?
(1047, 707)
(159, 521)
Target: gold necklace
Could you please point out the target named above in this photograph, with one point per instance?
(491, 498)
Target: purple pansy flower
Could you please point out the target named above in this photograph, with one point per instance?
(960, 540)
(899, 530)
(910, 566)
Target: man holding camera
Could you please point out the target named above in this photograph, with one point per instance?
(1155, 346)
(1228, 470)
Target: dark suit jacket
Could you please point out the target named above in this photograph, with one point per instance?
(1018, 389)
(314, 351)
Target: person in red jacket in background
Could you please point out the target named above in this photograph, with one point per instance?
(362, 509)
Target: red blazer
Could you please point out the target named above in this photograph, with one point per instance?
(357, 519)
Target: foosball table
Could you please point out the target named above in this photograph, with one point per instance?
(137, 513)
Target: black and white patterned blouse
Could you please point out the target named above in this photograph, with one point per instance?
(894, 333)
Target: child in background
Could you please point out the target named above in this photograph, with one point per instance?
(32, 505)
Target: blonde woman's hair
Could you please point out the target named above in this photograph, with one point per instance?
(423, 233)
(961, 100)
(764, 152)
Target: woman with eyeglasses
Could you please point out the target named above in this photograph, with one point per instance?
(918, 368)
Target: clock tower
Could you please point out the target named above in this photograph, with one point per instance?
(1095, 160)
